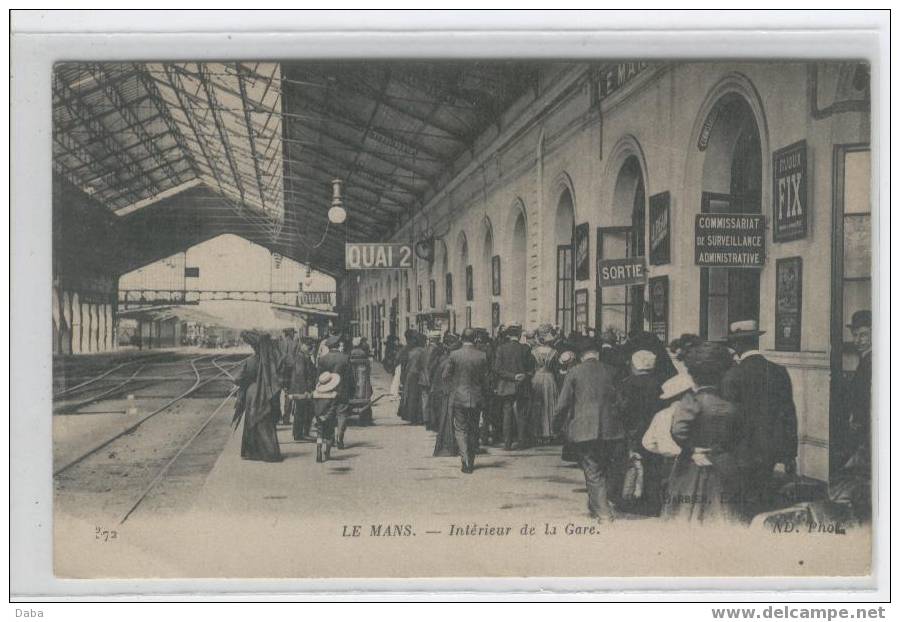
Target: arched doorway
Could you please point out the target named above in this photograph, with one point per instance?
(485, 280)
(515, 295)
(622, 307)
(732, 183)
(565, 261)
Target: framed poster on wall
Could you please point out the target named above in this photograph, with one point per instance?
(418, 297)
(470, 284)
(790, 201)
(581, 310)
(582, 252)
(660, 242)
(408, 300)
(495, 275)
(659, 307)
(495, 316)
(432, 293)
(469, 316)
(788, 303)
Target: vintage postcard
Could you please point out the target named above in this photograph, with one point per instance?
(462, 318)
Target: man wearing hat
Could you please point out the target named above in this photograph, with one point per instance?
(588, 412)
(860, 391)
(513, 367)
(286, 346)
(333, 359)
(763, 393)
(466, 372)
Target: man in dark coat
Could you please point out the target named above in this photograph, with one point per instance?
(639, 398)
(302, 380)
(587, 410)
(466, 372)
(334, 359)
(513, 367)
(286, 346)
(764, 396)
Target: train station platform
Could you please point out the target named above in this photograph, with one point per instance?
(384, 507)
(389, 466)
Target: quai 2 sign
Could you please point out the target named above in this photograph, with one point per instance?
(379, 256)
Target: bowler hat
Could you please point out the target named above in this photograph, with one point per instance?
(513, 330)
(585, 344)
(744, 330)
(861, 319)
(333, 341)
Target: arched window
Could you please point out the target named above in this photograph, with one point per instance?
(485, 280)
(565, 262)
(515, 294)
(622, 307)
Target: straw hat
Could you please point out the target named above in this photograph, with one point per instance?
(327, 382)
(676, 385)
(744, 329)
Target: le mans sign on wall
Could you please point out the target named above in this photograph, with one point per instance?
(377, 256)
(790, 199)
(723, 240)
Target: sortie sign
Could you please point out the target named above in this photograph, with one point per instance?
(730, 240)
(628, 271)
(377, 256)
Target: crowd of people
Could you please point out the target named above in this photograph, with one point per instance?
(700, 434)
(694, 430)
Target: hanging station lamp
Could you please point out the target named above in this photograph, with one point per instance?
(337, 215)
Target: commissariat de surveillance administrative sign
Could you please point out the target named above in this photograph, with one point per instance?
(730, 240)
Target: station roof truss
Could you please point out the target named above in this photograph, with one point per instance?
(267, 139)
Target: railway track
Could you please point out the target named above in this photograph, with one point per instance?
(222, 373)
(117, 386)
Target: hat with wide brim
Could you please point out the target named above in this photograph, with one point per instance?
(328, 381)
(745, 329)
(676, 385)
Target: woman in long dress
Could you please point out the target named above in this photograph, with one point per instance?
(411, 401)
(544, 390)
(445, 443)
(704, 486)
(258, 402)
